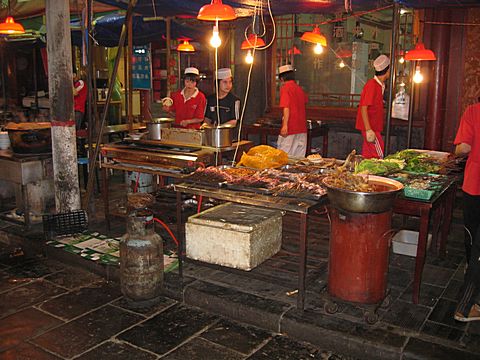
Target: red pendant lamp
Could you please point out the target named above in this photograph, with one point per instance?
(216, 11)
(315, 36)
(420, 53)
(294, 50)
(185, 46)
(253, 42)
(9, 27)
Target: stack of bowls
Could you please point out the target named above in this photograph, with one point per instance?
(4, 140)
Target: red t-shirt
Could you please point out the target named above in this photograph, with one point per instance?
(469, 133)
(80, 99)
(371, 97)
(193, 108)
(293, 97)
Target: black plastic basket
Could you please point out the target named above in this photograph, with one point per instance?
(73, 222)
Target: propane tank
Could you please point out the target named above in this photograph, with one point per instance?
(141, 260)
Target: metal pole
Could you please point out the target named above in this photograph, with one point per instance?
(60, 85)
(90, 79)
(92, 164)
(35, 83)
(130, 80)
(4, 88)
(410, 105)
(393, 73)
(169, 69)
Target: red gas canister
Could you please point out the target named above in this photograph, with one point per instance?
(359, 249)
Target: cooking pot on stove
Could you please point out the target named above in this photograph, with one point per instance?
(156, 125)
(219, 136)
(30, 138)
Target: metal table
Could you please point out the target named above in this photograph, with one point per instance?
(293, 205)
(436, 212)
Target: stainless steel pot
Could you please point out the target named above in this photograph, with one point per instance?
(219, 136)
(155, 127)
(365, 202)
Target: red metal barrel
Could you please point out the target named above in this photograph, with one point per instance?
(359, 249)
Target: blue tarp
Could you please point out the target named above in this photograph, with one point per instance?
(107, 30)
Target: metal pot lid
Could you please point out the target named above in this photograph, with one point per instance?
(162, 120)
(222, 126)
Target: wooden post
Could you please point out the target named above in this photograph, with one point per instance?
(130, 78)
(60, 86)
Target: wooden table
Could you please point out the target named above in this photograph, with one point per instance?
(299, 206)
(264, 131)
(436, 212)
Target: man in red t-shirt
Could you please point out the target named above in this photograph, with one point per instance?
(293, 133)
(79, 98)
(467, 143)
(189, 103)
(370, 112)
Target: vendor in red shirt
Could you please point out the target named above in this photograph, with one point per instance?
(189, 103)
(79, 98)
(293, 133)
(467, 143)
(370, 112)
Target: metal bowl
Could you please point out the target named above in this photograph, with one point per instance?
(365, 202)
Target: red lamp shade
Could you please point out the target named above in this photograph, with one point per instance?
(253, 42)
(420, 53)
(315, 36)
(185, 46)
(344, 54)
(216, 11)
(11, 27)
(294, 50)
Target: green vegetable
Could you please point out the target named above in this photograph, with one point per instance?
(377, 166)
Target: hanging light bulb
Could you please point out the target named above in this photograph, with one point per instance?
(9, 27)
(249, 57)
(318, 49)
(401, 60)
(418, 77)
(215, 41)
(341, 65)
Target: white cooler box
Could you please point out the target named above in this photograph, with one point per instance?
(234, 235)
(405, 242)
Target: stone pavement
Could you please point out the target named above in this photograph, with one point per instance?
(49, 310)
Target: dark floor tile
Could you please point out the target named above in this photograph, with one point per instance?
(23, 325)
(71, 278)
(168, 329)
(9, 281)
(474, 328)
(241, 338)
(471, 341)
(282, 348)
(27, 295)
(116, 351)
(78, 302)
(429, 294)
(147, 311)
(443, 313)
(452, 292)
(435, 275)
(200, 349)
(399, 278)
(37, 268)
(417, 349)
(406, 315)
(87, 331)
(442, 331)
(27, 351)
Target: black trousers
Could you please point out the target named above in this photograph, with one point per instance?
(471, 219)
(471, 285)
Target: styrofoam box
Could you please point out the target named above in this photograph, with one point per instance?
(405, 242)
(234, 235)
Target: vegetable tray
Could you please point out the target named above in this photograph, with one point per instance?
(420, 194)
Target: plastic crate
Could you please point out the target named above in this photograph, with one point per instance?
(421, 194)
(73, 222)
(405, 242)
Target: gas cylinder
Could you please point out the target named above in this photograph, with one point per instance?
(359, 250)
(141, 260)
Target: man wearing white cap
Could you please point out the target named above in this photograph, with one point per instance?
(228, 104)
(293, 133)
(189, 103)
(370, 112)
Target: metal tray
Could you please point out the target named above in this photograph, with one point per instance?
(244, 188)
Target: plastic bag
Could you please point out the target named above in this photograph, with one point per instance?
(263, 157)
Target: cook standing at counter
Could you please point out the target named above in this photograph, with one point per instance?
(370, 112)
(293, 133)
(79, 98)
(188, 103)
(228, 103)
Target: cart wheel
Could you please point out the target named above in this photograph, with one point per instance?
(330, 307)
(370, 318)
(386, 302)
